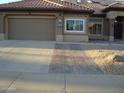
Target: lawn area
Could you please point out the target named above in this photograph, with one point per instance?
(103, 56)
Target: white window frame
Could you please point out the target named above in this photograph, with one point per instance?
(72, 31)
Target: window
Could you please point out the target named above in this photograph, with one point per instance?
(74, 25)
(96, 29)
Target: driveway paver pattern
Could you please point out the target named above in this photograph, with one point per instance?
(71, 58)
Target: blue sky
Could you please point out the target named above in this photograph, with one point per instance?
(6, 1)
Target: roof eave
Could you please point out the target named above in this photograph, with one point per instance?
(113, 9)
(45, 9)
(98, 15)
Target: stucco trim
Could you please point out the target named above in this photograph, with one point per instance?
(59, 38)
(2, 37)
(111, 38)
(6, 28)
(76, 38)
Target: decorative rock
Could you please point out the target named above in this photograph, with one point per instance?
(118, 58)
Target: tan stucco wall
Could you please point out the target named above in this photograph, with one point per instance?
(106, 30)
(1, 26)
(2, 37)
(98, 37)
(1, 23)
(59, 38)
(59, 27)
(60, 17)
(123, 29)
(111, 29)
(76, 38)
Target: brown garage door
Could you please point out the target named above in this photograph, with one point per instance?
(31, 29)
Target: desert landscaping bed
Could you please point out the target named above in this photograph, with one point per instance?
(88, 59)
(110, 58)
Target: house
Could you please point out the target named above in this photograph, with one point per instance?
(61, 20)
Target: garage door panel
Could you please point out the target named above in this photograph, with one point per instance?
(32, 29)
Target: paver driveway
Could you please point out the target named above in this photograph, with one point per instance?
(71, 58)
(45, 57)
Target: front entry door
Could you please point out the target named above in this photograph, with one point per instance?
(118, 30)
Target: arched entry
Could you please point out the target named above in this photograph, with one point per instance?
(118, 28)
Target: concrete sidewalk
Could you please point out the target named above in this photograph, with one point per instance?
(13, 82)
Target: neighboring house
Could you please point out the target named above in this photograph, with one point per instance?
(61, 20)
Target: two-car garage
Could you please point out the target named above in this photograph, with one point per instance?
(31, 28)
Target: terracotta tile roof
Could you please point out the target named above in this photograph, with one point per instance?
(96, 6)
(45, 5)
(115, 6)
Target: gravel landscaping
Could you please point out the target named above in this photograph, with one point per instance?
(87, 59)
(108, 57)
